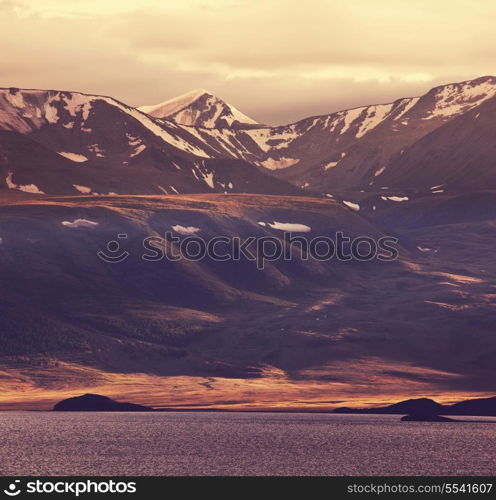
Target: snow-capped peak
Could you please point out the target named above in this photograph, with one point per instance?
(198, 108)
(172, 106)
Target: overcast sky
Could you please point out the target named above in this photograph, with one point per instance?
(276, 60)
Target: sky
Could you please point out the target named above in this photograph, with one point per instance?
(275, 60)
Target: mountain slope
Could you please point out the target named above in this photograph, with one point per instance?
(199, 108)
(459, 155)
(306, 322)
(26, 165)
(105, 146)
(351, 149)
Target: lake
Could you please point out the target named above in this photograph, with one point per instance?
(212, 443)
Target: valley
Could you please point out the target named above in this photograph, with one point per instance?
(78, 171)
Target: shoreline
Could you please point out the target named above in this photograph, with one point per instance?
(273, 411)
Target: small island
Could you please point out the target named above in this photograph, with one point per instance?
(96, 402)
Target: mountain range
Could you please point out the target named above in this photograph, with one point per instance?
(78, 170)
(197, 143)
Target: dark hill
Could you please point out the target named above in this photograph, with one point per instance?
(96, 402)
(422, 405)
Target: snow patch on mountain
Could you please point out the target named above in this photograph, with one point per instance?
(132, 140)
(137, 151)
(374, 116)
(51, 113)
(269, 139)
(97, 150)
(353, 206)
(185, 230)
(287, 226)
(395, 198)
(406, 105)
(209, 179)
(27, 188)
(78, 158)
(274, 164)
(331, 164)
(82, 189)
(76, 103)
(458, 98)
(348, 118)
(77, 223)
(16, 99)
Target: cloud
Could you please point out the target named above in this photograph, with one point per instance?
(277, 60)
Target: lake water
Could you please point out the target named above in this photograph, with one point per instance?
(208, 443)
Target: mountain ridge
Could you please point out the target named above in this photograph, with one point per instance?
(341, 154)
(200, 91)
